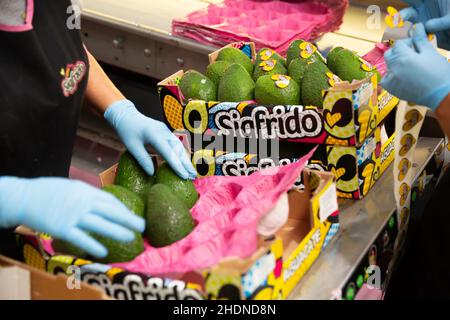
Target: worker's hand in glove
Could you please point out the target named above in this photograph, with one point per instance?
(67, 210)
(434, 14)
(416, 71)
(137, 130)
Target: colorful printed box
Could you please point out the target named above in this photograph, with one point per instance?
(356, 168)
(270, 273)
(350, 114)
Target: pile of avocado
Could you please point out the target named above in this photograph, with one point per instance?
(298, 79)
(164, 201)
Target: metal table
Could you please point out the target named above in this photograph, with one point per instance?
(361, 223)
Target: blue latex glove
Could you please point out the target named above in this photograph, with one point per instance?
(137, 130)
(434, 14)
(416, 71)
(66, 210)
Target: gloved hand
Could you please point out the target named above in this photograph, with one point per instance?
(416, 71)
(137, 130)
(66, 210)
(434, 14)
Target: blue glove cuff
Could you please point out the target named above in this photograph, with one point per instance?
(117, 110)
(10, 206)
(435, 98)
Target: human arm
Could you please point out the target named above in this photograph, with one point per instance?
(417, 72)
(443, 115)
(67, 210)
(434, 14)
(135, 129)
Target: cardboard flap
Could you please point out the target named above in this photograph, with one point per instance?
(45, 286)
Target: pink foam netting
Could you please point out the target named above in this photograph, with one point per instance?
(227, 213)
(267, 23)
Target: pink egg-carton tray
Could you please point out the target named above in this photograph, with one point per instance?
(267, 23)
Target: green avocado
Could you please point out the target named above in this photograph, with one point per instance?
(216, 70)
(168, 218)
(234, 55)
(197, 86)
(317, 78)
(65, 247)
(236, 85)
(277, 90)
(117, 251)
(295, 52)
(268, 68)
(348, 66)
(331, 57)
(297, 69)
(121, 251)
(130, 199)
(268, 54)
(131, 176)
(183, 189)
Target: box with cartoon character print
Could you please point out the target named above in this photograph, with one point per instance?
(357, 168)
(270, 273)
(350, 113)
(348, 130)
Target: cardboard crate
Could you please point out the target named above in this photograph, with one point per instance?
(357, 168)
(350, 113)
(39, 285)
(270, 273)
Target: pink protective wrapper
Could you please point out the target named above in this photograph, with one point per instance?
(376, 57)
(227, 213)
(267, 23)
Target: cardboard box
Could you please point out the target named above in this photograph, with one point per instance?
(45, 286)
(270, 273)
(350, 113)
(356, 168)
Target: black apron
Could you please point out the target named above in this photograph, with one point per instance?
(43, 77)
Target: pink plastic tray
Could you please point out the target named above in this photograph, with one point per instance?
(267, 23)
(376, 57)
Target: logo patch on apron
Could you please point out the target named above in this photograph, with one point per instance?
(73, 74)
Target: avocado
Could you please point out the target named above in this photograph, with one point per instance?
(349, 66)
(130, 199)
(268, 54)
(120, 251)
(236, 85)
(300, 49)
(216, 70)
(317, 78)
(297, 69)
(117, 251)
(331, 57)
(234, 55)
(277, 90)
(197, 86)
(131, 176)
(168, 218)
(65, 247)
(183, 189)
(268, 67)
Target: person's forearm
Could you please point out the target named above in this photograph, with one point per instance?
(443, 115)
(100, 92)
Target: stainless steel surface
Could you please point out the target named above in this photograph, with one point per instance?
(361, 223)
